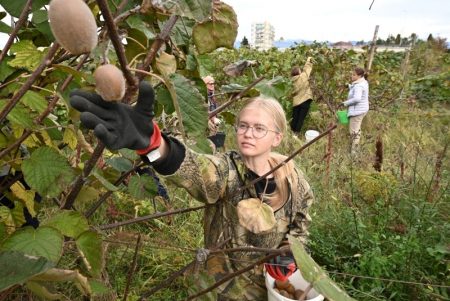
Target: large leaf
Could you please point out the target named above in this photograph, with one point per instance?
(314, 274)
(14, 8)
(27, 55)
(89, 245)
(182, 31)
(26, 196)
(166, 64)
(108, 185)
(47, 172)
(19, 115)
(219, 31)
(142, 186)
(44, 241)
(70, 223)
(193, 109)
(276, 87)
(13, 218)
(136, 22)
(194, 9)
(40, 20)
(5, 28)
(16, 267)
(163, 97)
(206, 64)
(120, 164)
(5, 69)
(35, 101)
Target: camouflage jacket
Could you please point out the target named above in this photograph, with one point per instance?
(214, 180)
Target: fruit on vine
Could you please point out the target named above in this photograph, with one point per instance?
(73, 25)
(109, 82)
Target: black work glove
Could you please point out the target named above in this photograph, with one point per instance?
(281, 267)
(116, 124)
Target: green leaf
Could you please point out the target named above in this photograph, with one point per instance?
(136, 22)
(16, 268)
(13, 218)
(194, 9)
(70, 223)
(19, 115)
(219, 31)
(5, 28)
(108, 185)
(193, 109)
(166, 64)
(87, 194)
(120, 164)
(163, 97)
(142, 186)
(276, 87)
(206, 64)
(98, 288)
(14, 8)
(129, 154)
(89, 245)
(43, 241)
(314, 274)
(27, 56)
(5, 69)
(47, 172)
(35, 101)
(182, 31)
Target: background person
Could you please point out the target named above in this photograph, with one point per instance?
(302, 95)
(217, 179)
(358, 105)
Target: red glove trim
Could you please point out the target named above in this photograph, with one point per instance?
(155, 141)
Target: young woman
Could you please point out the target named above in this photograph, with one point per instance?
(358, 104)
(302, 95)
(217, 180)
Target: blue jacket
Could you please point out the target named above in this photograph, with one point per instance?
(358, 98)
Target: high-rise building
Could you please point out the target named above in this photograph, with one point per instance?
(263, 35)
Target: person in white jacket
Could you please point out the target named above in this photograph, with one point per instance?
(357, 104)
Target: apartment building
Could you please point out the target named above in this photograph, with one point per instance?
(263, 35)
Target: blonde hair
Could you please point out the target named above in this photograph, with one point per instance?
(272, 107)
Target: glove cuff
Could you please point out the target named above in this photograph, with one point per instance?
(155, 141)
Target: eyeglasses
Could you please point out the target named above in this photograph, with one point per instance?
(258, 131)
(210, 83)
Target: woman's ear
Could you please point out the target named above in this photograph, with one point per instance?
(277, 139)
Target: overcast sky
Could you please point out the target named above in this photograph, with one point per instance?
(339, 20)
(344, 20)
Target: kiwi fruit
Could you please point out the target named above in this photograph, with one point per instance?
(290, 289)
(73, 25)
(281, 285)
(109, 82)
(297, 294)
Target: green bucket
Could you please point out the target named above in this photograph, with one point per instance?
(342, 117)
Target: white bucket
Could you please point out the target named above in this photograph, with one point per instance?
(297, 281)
(311, 134)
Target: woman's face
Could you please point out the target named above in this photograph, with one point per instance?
(254, 122)
(355, 76)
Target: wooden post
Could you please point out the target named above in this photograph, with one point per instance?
(372, 49)
(406, 59)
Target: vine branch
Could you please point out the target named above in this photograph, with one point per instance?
(115, 39)
(29, 82)
(44, 114)
(22, 19)
(234, 98)
(149, 217)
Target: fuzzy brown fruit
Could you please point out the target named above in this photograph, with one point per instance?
(281, 285)
(109, 82)
(73, 25)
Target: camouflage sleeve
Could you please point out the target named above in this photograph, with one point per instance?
(203, 176)
(303, 198)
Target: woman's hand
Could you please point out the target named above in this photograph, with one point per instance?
(116, 124)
